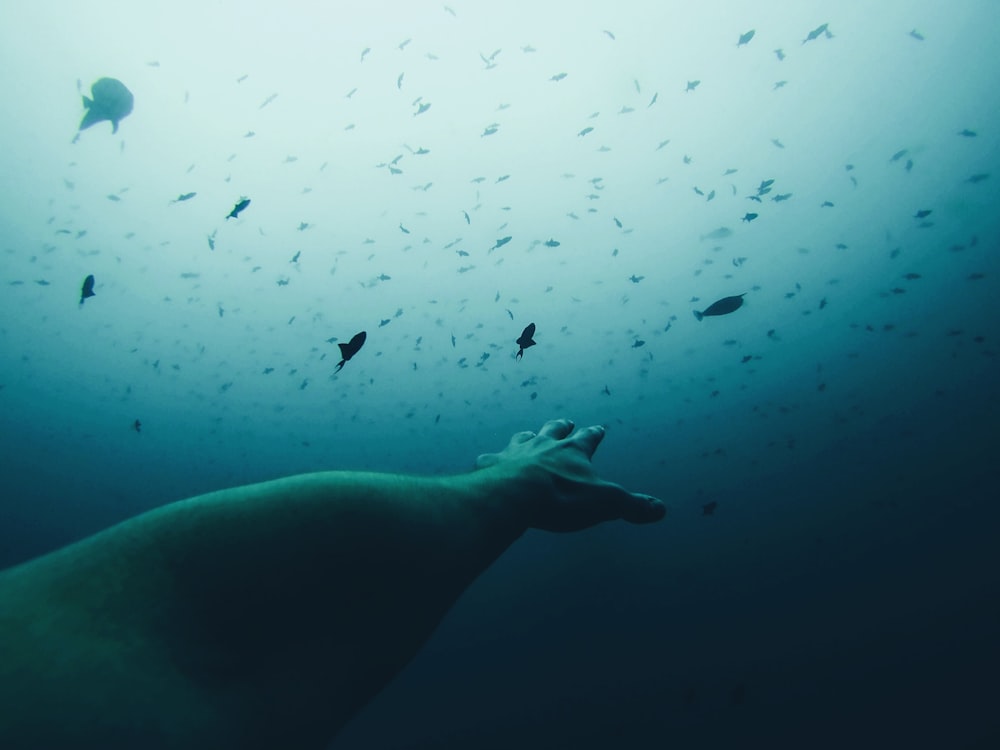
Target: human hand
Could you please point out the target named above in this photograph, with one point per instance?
(560, 490)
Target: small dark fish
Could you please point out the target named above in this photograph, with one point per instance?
(244, 202)
(746, 358)
(917, 35)
(922, 213)
(745, 38)
(88, 288)
(585, 131)
(558, 77)
(749, 217)
(635, 279)
(111, 102)
(183, 197)
(552, 243)
(692, 85)
(525, 340)
(708, 509)
(817, 32)
(403, 229)
(137, 426)
(724, 306)
(351, 348)
(501, 242)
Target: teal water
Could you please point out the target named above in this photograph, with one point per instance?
(843, 591)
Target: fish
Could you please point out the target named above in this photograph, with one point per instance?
(723, 306)
(112, 101)
(552, 243)
(815, 33)
(718, 234)
(708, 509)
(525, 340)
(692, 85)
(88, 288)
(466, 215)
(922, 213)
(745, 38)
(137, 426)
(501, 242)
(351, 348)
(749, 217)
(558, 77)
(635, 279)
(585, 131)
(243, 203)
(183, 197)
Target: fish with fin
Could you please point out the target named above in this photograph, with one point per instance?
(111, 101)
(351, 348)
(723, 306)
(243, 203)
(88, 288)
(525, 340)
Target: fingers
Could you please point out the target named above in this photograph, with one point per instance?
(589, 438)
(522, 437)
(637, 508)
(634, 507)
(556, 429)
(485, 460)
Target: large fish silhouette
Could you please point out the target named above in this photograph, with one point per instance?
(525, 340)
(87, 290)
(351, 348)
(112, 102)
(724, 306)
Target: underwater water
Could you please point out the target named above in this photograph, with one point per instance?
(828, 572)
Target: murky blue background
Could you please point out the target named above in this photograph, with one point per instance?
(845, 590)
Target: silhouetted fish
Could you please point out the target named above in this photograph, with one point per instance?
(724, 306)
(351, 348)
(88, 288)
(745, 38)
(244, 202)
(111, 102)
(525, 340)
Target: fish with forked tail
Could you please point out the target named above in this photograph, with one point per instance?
(351, 348)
